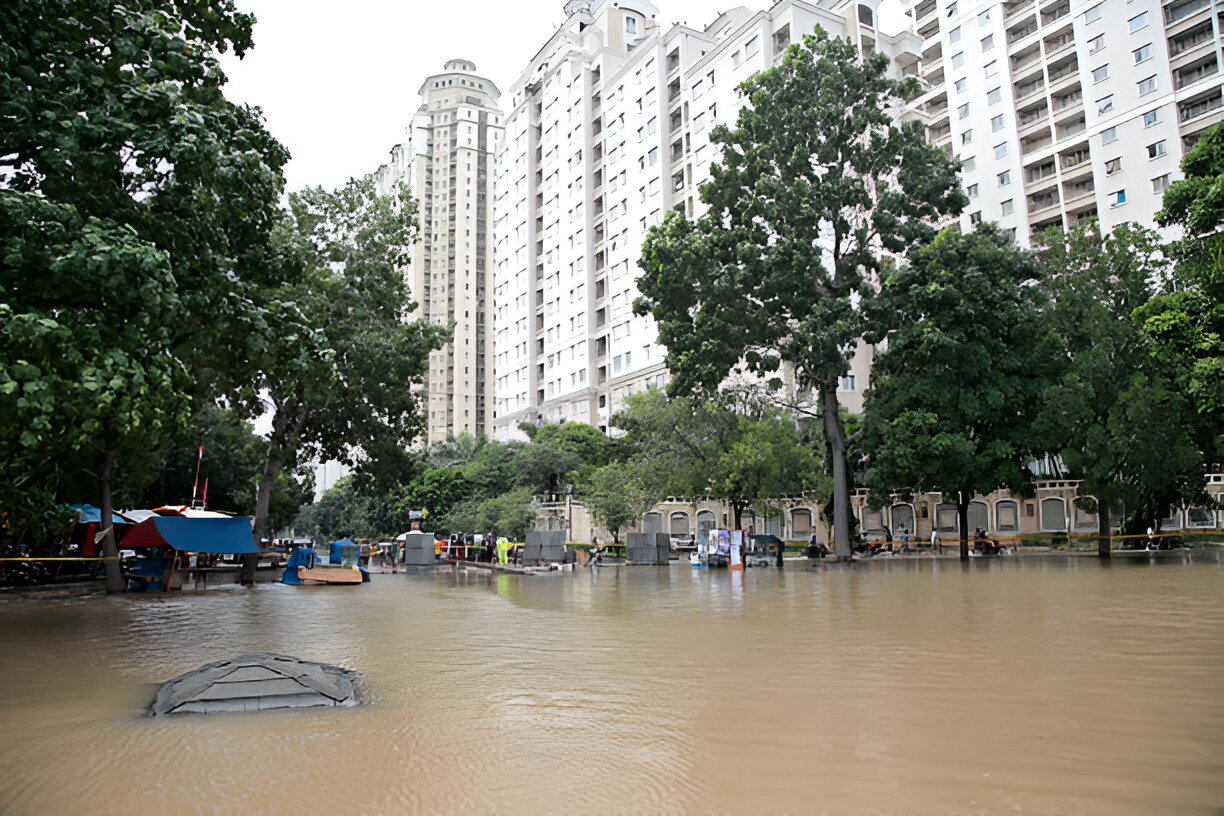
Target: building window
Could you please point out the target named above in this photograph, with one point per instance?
(1146, 86)
(975, 218)
(969, 165)
(1160, 183)
(848, 383)
(954, 35)
(631, 25)
(963, 111)
(1105, 105)
(951, 9)
(1143, 54)
(987, 43)
(1156, 150)
(992, 68)
(1006, 207)
(1113, 166)
(1005, 178)
(1138, 21)
(996, 123)
(972, 190)
(993, 97)
(960, 85)
(752, 47)
(1117, 198)
(1150, 118)
(958, 59)
(1109, 135)
(1096, 44)
(1000, 150)
(967, 137)
(653, 155)
(1100, 74)
(1093, 14)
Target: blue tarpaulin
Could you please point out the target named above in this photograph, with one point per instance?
(92, 515)
(223, 536)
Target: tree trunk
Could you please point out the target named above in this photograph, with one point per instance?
(263, 498)
(962, 513)
(110, 545)
(835, 434)
(1103, 541)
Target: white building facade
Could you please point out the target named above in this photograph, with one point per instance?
(1064, 110)
(606, 130)
(447, 163)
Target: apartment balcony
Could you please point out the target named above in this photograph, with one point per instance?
(1045, 222)
(932, 57)
(1056, 45)
(1070, 127)
(1069, 101)
(1077, 191)
(1194, 42)
(924, 11)
(938, 134)
(1181, 17)
(1184, 77)
(1199, 106)
(1021, 30)
(930, 29)
(1026, 90)
(1029, 56)
(1045, 200)
(1038, 172)
(1036, 141)
(1055, 12)
(1014, 9)
(1083, 213)
(1075, 162)
(1032, 118)
(1061, 74)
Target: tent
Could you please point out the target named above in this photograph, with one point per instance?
(88, 514)
(223, 536)
(188, 512)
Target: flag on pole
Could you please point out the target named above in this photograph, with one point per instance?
(196, 483)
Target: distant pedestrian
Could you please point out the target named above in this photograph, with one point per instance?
(936, 541)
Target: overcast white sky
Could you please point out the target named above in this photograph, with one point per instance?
(338, 81)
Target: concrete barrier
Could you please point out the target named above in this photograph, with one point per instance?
(647, 548)
(545, 546)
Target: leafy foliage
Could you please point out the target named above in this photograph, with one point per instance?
(817, 181)
(954, 397)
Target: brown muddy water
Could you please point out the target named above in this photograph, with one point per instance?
(1043, 685)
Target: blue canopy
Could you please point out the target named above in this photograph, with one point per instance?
(93, 515)
(223, 536)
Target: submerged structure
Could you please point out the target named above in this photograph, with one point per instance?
(259, 681)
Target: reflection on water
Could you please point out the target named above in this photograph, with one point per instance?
(1027, 685)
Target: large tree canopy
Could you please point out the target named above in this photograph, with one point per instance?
(133, 227)
(954, 397)
(345, 372)
(817, 180)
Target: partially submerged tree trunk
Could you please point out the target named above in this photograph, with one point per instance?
(110, 545)
(962, 513)
(263, 498)
(835, 433)
(1103, 536)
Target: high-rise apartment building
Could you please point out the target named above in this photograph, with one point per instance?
(1062, 110)
(447, 163)
(607, 129)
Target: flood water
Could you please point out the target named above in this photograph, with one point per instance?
(1020, 685)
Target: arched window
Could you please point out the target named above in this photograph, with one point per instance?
(679, 523)
(979, 515)
(866, 16)
(873, 522)
(1053, 515)
(946, 519)
(801, 525)
(1201, 517)
(902, 519)
(1084, 519)
(652, 523)
(1007, 516)
(706, 522)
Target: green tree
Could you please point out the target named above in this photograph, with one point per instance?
(127, 172)
(818, 179)
(1186, 321)
(617, 497)
(346, 511)
(955, 395)
(344, 373)
(1096, 283)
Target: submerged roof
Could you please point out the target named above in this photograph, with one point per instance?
(259, 681)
